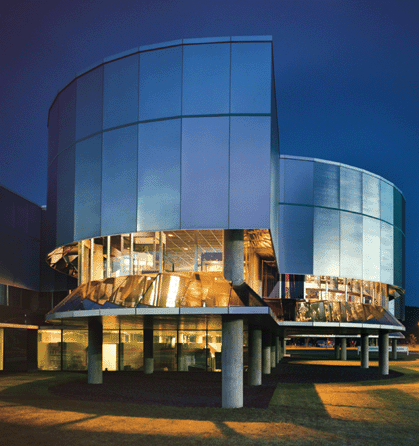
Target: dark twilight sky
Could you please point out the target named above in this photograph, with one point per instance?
(346, 72)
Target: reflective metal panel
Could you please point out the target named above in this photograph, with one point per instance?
(387, 253)
(119, 181)
(370, 195)
(326, 242)
(326, 185)
(398, 209)
(251, 66)
(350, 190)
(371, 249)
(160, 83)
(298, 181)
(88, 188)
(398, 257)
(67, 117)
(250, 172)
(350, 245)
(206, 79)
(205, 172)
(386, 198)
(159, 175)
(120, 92)
(89, 103)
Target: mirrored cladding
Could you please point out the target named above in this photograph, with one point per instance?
(119, 180)
(351, 245)
(67, 117)
(371, 195)
(326, 185)
(350, 190)
(250, 146)
(398, 257)
(398, 209)
(251, 67)
(88, 188)
(120, 92)
(386, 202)
(89, 104)
(205, 173)
(160, 83)
(387, 253)
(159, 175)
(53, 132)
(298, 181)
(326, 242)
(371, 249)
(206, 79)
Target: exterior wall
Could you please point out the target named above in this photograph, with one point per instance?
(163, 138)
(339, 221)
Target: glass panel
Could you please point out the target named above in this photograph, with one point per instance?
(160, 83)
(131, 350)
(350, 190)
(398, 258)
(193, 350)
(297, 239)
(164, 349)
(120, 258)
(326, 185)
(386, 253)
(110, 352)
(206, 79)
(159, 176)
(398, 209)
(205, 164)
(53, 131)
(49, 349)
(75, 349)
(65, 194)
(371, 249)
(1, 347)
(326, 242)
(88, 188)
(249, 172)
(251, 67)
(371, 195)
(298, 181)
(119, 181)
(386, 197)
(350, 245)
(67, 117)
(99, 258)
(89, 103)
(120, 92)
(145, 248)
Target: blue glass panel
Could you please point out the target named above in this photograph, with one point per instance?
(89, 103)
(160, 83)
(205, 172)
(370, 195)
(326, 242)
(387, 253)
(351, 245)
(350, 190)
(120, 92)
(119, 181)
(251, 66)
(51, 212)
(65, 196)
(386, 198)
(53, 131)
(296, 239)
(398, 209)
(298, 181)
(371, 249)
(67, 117)
(326, 185)
(159, 176)
(250, 152)
(206, 79)
(398, 257)
(88, 188)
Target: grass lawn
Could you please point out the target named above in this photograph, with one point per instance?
(374, 412)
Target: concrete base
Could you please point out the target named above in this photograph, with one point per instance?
(364, 351)
(148, 366)
(255, 358)
(94, 351)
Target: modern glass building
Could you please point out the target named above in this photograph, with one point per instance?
(192, 244)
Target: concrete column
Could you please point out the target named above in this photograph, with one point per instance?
(148, 351)
(266, 352)
(383, 352)
(279, 354)
(94, 351)
(343, 356)
(394, 349)
(337, 348)
(233, 255)
(284, 347)
(121, 355)
(255, 358)
(364, 351)
(232, 363)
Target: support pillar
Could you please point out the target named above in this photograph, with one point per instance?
(233, 255)
(364, 351)
(273, 352)
(337, 348)
(94, 351)
(394, 349)
(255, 358)
(343, 356)
(266, 352)
(383, 352)
(279, 354)
(284, 347)
(148, 351)
(232, 363)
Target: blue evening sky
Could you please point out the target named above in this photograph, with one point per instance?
(347, 77)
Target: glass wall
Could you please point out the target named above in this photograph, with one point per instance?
(49, 349)
(74, 353)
